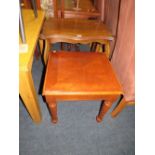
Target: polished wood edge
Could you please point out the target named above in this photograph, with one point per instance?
(76, 40)
(55, 93)
(81, 97)
(84, 13)
(122, 104)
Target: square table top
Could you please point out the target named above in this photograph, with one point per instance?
(68, 30)
(76, 73)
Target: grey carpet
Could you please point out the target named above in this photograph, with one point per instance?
(77, 132)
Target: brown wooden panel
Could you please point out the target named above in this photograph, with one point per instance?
(111, 12)
(75, 30)
(124, 53)
(99, 4)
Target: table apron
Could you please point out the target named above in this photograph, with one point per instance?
(69, 97)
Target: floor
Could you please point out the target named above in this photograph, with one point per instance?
(77, 132)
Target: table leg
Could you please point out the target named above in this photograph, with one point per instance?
(53, 110)
(119, 108)
(29, 96)
(93, 47)
(105, 106)
(77, 48)
(46, 51)
(107, 49)
(37, 50)
(62, 46)
(69, 47)
(99, 47)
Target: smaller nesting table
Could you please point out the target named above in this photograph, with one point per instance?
(76, 31)
(80, 76)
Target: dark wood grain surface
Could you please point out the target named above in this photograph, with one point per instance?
(81, 73)
(75, 31)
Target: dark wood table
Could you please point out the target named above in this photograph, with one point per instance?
(76, 31)
(80, 76)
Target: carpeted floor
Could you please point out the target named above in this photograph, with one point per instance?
(77, 132)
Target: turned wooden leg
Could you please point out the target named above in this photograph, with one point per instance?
(53, 110)
(103, 110)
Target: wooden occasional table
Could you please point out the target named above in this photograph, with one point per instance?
(80, 76)
(26, 85)
(76, 31)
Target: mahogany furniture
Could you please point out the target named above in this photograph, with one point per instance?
(76, 31)
(26, 85)
(122, 104)
(66, 9)
(123, 59)
(100, 6)
(84, 9)
(80, 76)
